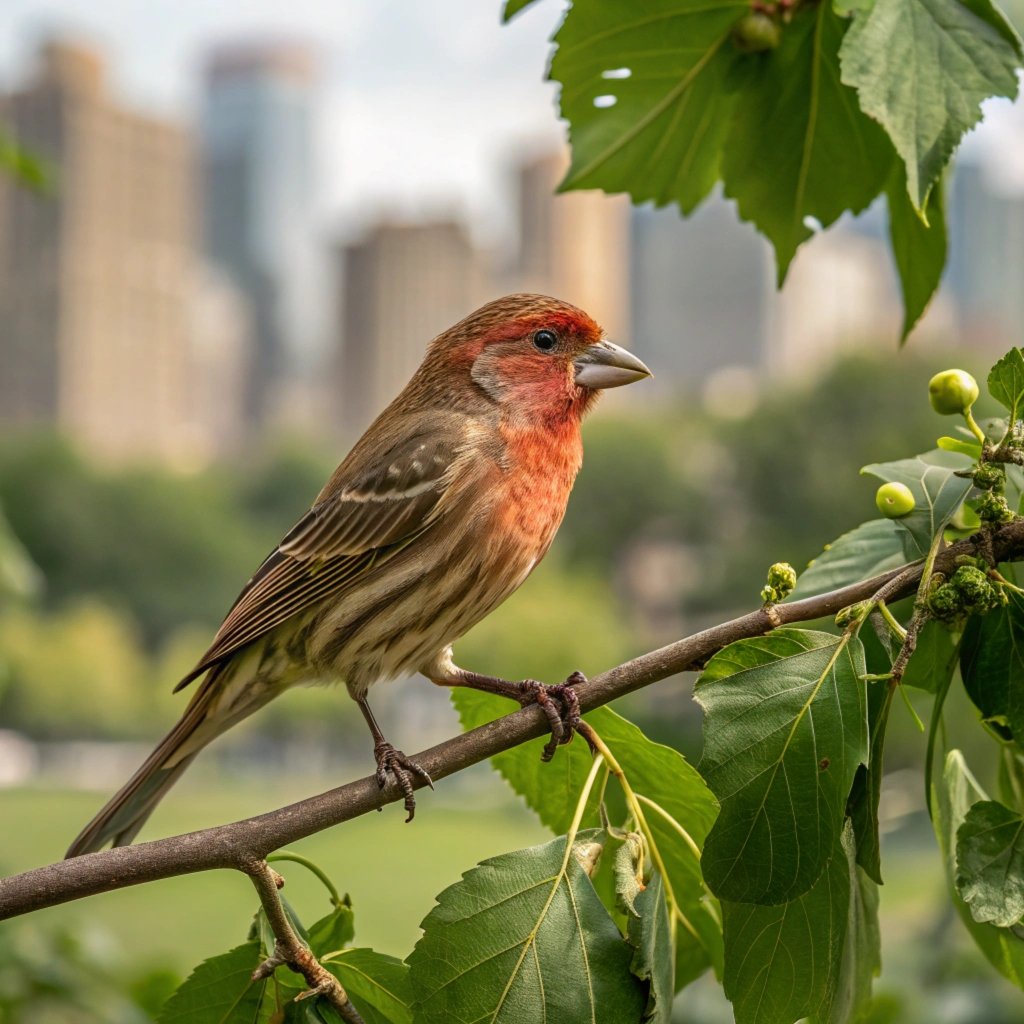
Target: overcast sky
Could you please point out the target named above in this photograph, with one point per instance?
(421, 105)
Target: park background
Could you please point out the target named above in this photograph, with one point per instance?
(252, 221)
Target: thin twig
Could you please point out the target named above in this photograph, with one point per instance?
(290, 951)
(242, 842)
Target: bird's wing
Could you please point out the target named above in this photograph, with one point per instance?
(372, 507)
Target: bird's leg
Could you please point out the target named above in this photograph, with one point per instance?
(559, 702)
(394, 761)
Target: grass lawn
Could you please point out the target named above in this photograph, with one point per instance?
(392, 870)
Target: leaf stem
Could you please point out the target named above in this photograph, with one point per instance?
(929, 568)
(910, 707)
(933, 727)
(290, 950)
(898, 631)
(975, 429)
(297, 858)
(638, 813)
(686, 837)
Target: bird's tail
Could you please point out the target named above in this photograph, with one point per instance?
(127, 810)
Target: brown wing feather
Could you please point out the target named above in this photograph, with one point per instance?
(363, 515)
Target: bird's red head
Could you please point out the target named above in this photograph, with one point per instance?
(538, 357)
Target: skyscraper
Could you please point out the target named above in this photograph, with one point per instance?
(402, 284)
(257, 199)
(573, 245)
(94, 276)
(986, 254)
(702, 293)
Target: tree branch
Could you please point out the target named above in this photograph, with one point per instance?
(289, 949)
(242, 843)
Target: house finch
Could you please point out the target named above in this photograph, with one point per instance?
(441, 510)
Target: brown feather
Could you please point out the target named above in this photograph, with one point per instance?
(440, 511)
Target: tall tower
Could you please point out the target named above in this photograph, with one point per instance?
(574, 245)
(95, 275)
(257, 197)
(402, 284)
(702, 294)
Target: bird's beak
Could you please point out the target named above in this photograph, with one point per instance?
(605, 365)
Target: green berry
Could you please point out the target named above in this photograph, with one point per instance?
(952, 392)
(895, 500)
(988, 477)
(993, 508)
(975, 587)
(756, 32)
(944, 602)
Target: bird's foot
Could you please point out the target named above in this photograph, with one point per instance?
(404, 770)
(560, 703)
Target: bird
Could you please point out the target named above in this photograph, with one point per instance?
(439, 512)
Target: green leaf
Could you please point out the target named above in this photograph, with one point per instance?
(990, 863)
(922, 69)
(785, 727)
(629, 867)
(332, 932)
(934, 659)
(814, 956)
(992, 665)
(958, 792)
(798, 146)
(219, 990)
(871, 549)
(955, 444)
(378, 985)
(666, 65)
(861, 958)
(1006, 382)
(1011, 776)
(862, 805)
(918, 246)
(650, 935)
(513, 7)
(937, 491)
(681, 803)
(783, 962)
(523, 937)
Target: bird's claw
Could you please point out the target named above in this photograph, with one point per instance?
(560, 703)
(403, 769)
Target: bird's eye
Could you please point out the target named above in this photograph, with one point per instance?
(545, 341)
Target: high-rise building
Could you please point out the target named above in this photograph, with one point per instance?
(94, 274)
(573, 245)
(402, 284)
(702, 293)
(258, 190)
(219, 336)
(986, 255)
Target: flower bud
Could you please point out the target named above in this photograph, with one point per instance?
(781, 581)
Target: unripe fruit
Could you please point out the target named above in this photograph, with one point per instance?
(895, 500)
(952, 392)
(756, 32)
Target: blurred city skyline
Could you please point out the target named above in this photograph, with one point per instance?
(447, 82)
(259, 229)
